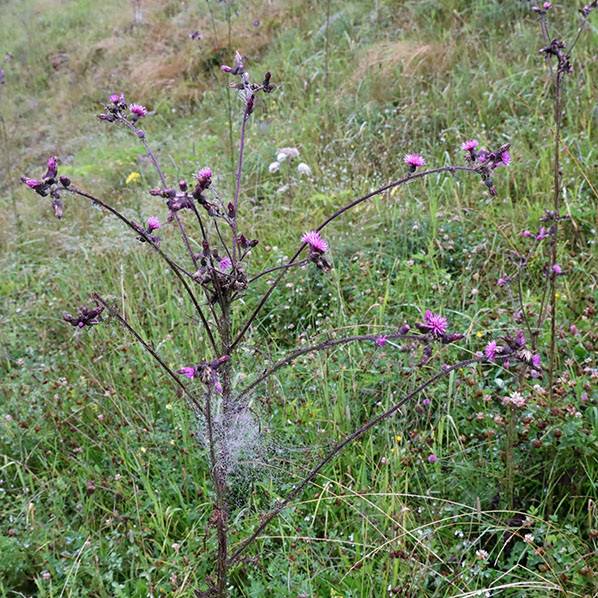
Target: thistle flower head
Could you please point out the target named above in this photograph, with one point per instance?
(287, 152)
(114, 98)
(469, 145)
(414, 160)
(315, 241)
(381, 340)
(31, 183)
(204, 174)
(153, 223)
(138, 109)
(490, 351)
(189, 372)
(505, 158)
(303, 168)
(438, 324)
(225, 264)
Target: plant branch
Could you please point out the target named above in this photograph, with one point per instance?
(339, 449)
(194, 401)
(173, 266)
(406, 179)
(325, 345)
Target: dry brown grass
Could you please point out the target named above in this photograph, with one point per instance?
(387, 63)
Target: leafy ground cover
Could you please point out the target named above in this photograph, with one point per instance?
(104, 489)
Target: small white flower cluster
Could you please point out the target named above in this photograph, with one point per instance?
(516, 399)
(290, 153)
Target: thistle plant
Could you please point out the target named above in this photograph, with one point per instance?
(216, 273)
(557, 54)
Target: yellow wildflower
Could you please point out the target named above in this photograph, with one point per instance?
(134, 177)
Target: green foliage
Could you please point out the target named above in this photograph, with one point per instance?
(104, 489)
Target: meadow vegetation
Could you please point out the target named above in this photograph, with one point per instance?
(105, 490)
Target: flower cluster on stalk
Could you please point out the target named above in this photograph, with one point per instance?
(206, 371)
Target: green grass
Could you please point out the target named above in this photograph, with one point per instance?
(103, 486)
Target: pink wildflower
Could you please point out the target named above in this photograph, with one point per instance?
(138, 109)
(381, 340)
(536, 360)
(204, 175)
(557, 269)
(187, 371)
(114, 98)
(414, 160)
(153, 223)
(432, 458)
(224, 264)
(315, 241)
(31, 183)
(469, 145)
(501, 281)
(437, 323)
(527, 233)
(490, 351)
(547, 5)
(505, 158)
(426, 402)
(542, 234)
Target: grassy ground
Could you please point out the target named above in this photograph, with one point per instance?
(104, 490)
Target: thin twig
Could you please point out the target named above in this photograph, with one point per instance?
(152, 352)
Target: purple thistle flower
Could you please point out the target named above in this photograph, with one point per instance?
(438, 324)
(31, 183)
(153, 223)
(469, 145)
(187, 371)
(226, 69)
(426, 402)
(414, 160)
(557, 269)
(547, 5)
(527, 233)
(536, 360)
(138, 109)
(381, 340)
(505, 158)
(114, 98)
(315, 241)
(490, 351)
(204, 175)
(404, 329)
(80, 324)
(216, 382)
(501, 281)
(225, 264)
(542, 234)
(432, 458)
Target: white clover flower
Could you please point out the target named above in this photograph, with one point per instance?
(274, 167)
(303, 168)
(482, 555)
(528, 538)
